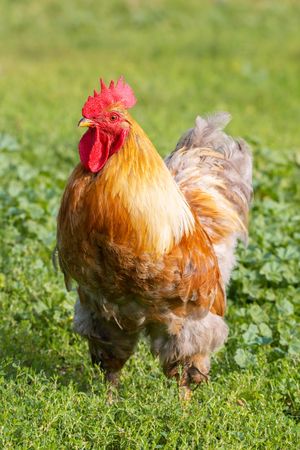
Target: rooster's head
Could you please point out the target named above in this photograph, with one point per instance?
(105, 114)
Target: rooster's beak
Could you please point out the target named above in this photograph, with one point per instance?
(85, 122)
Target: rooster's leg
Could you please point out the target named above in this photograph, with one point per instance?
(197, 368)
(184, 346)
(191, 370)
(110, 349)
(187, 370)
(110, 346)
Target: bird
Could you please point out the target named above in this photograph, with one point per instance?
(150, 242)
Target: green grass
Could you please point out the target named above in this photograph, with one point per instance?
(182, 58)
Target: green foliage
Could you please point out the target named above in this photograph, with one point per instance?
(267, 279)
(182, 58)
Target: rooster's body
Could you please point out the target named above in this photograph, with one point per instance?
(151, 243)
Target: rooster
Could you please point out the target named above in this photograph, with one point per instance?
(150, 243)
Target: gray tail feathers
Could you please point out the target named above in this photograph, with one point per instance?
(208, 133)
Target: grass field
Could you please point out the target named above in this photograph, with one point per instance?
(182, 58)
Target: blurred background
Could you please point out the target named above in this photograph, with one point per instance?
(181, 57)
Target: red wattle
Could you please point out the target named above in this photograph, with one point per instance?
(95, 147)
(93, 150)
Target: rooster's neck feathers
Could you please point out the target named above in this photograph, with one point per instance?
(146, 198)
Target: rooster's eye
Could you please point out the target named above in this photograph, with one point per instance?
(113, 117)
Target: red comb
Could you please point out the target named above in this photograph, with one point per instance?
(116, 94)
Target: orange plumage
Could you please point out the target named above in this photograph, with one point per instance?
(150, 243)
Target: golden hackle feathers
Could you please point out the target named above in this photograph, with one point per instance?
(137, 192)
(134, 197)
